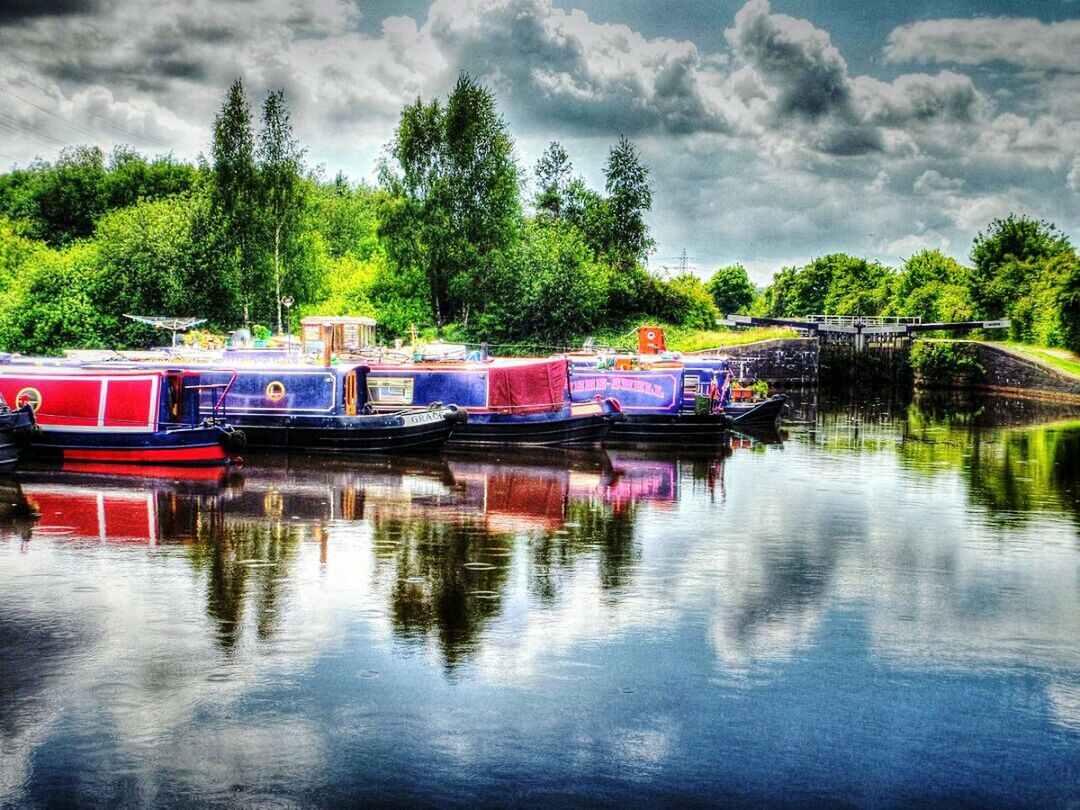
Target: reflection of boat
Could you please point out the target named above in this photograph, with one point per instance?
(15, 426)
(117, 416)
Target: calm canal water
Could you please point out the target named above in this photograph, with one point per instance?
(881, 610)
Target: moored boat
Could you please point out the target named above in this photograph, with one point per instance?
(667, 397)
(294, 407)
(510, 401)
(127, 416)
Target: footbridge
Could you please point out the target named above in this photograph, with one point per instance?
(863, 331)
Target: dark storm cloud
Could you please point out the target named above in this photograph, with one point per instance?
(796, 58)
(23, 9)
(558, 66)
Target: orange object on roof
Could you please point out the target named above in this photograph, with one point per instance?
(650, 340)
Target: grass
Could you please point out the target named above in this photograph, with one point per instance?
(1061, 359)
(693, 340)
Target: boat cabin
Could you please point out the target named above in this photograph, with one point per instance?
(114, 400)
(322, 337)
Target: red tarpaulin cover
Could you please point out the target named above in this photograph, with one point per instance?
(527, 386)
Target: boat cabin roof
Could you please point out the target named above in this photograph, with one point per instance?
(315, 320)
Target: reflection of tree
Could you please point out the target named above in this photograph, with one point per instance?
(1027, 470)
(447, 577)
(242, 558)
(594, 529)
(1010, 472)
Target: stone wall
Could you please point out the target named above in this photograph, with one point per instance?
(781, 361)
(1010, 373)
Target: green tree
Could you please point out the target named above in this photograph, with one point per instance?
(1005, 260)
(50, 306)
(455, 196)
(282, 191)
(685, 300)
(65, 199)
(629, 198)
(549, 288)
(731, 289)
(236, 192)
(130, 177)
(553, 178)
(933, 287)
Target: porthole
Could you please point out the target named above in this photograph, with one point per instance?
(275, 391)
(28, 396)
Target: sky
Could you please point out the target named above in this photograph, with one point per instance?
(775, 131)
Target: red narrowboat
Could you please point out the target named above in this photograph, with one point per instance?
(118, 416)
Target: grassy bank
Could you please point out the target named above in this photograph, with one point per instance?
(1061, 359)
(682, 339)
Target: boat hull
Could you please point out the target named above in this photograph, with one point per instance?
(377, 433)
(686, 428)
(542, 430)
(765, 414)
(196, 447)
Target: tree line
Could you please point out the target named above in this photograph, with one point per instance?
(1021, 268)
(454, 238)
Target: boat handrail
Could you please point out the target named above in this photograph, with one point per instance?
(224, 387)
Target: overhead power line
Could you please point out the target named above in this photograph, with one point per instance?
(86, 132)
(115, 127)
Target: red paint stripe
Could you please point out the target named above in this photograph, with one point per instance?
(151, 455)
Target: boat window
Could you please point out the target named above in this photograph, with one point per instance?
(175, 390)
(390, 390)
(350, 394)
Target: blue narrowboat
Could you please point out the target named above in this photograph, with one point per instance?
(509, 400)
(668, 398)
(292, 406)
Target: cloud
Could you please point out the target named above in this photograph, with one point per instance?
(912, 243)
(586, 75)
(1023, 42)
(918, 98)
(806, 77)
(762, 147)
(796, 58)
(932, 180)
(1072, 180)
(21, 9)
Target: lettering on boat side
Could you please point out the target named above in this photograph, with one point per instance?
(649, 389)
(423, 418)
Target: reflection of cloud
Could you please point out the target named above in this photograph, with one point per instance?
(1065, 701)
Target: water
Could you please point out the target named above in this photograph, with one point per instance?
(881, 610)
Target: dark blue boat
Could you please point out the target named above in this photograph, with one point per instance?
(291, 406)
(668, 403)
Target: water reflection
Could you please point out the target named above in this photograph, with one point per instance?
(884, 601)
